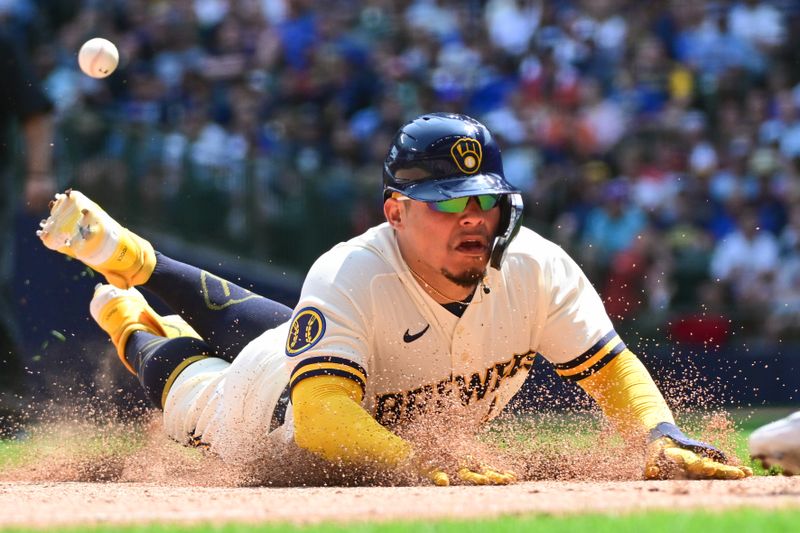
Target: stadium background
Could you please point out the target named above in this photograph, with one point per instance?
(659, 142)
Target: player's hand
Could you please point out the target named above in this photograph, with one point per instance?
(672, 455)
(472, 474)
(437, 476)
(486, 475)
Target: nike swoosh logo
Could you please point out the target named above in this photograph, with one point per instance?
(408, 337)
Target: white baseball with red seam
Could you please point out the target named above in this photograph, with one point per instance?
(98, 57)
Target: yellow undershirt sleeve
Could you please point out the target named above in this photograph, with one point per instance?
(627, 395)
(329, 421)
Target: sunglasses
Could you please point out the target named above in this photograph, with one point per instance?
(458, 205)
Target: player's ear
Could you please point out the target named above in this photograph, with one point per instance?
(393, 211)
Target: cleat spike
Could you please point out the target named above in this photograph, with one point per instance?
(80, 228)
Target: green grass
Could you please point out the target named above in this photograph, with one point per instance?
(10, 454)
(749, 520)
(91, 442)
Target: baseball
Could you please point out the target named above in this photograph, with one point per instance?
(98, 57)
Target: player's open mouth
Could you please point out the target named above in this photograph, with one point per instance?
(472, 247)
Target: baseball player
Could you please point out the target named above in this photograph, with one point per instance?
(778, 444)
(443, 306)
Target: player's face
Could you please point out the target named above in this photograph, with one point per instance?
(454, 246)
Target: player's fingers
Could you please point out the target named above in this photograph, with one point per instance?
(439, 478)
(500, 478)
(652, 472)
(723, 471)
(465, 474)
(697, 467)
(486, 476)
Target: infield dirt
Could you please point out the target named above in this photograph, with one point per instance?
(50, 504)
(105, 479)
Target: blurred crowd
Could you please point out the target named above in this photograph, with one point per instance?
(659, 141)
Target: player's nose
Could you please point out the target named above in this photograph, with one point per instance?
(473, 214)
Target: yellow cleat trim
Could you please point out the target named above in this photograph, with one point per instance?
(120, 326)
(132, 263)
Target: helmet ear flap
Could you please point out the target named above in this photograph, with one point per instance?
(452, 156)
(510, 221)
(388, 180)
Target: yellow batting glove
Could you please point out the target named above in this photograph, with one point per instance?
(484, 474)
(672, 455)
(439, 478)
(480, 475)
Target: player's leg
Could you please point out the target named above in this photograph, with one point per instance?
(232, 408)
(154, 348)
(226, 315)
(175, 367)
(778, 443)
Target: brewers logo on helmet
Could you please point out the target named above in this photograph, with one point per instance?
(467, 154)
(458, 157)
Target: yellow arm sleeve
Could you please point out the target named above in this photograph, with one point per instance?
(627, 395)
(329, 421)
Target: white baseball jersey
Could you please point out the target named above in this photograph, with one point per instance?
(362, 315)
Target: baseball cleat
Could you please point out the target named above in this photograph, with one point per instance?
(778, 444)
(80, 228)
(120, 312)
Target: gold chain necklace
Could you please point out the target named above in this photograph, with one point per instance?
(437, 291)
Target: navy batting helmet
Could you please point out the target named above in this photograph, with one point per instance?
(458, 157)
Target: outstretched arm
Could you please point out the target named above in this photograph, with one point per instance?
(628, 396)
(615, 377)
(630, 399)
(329, 421)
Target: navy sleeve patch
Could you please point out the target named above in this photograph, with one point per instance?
(307, 329)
